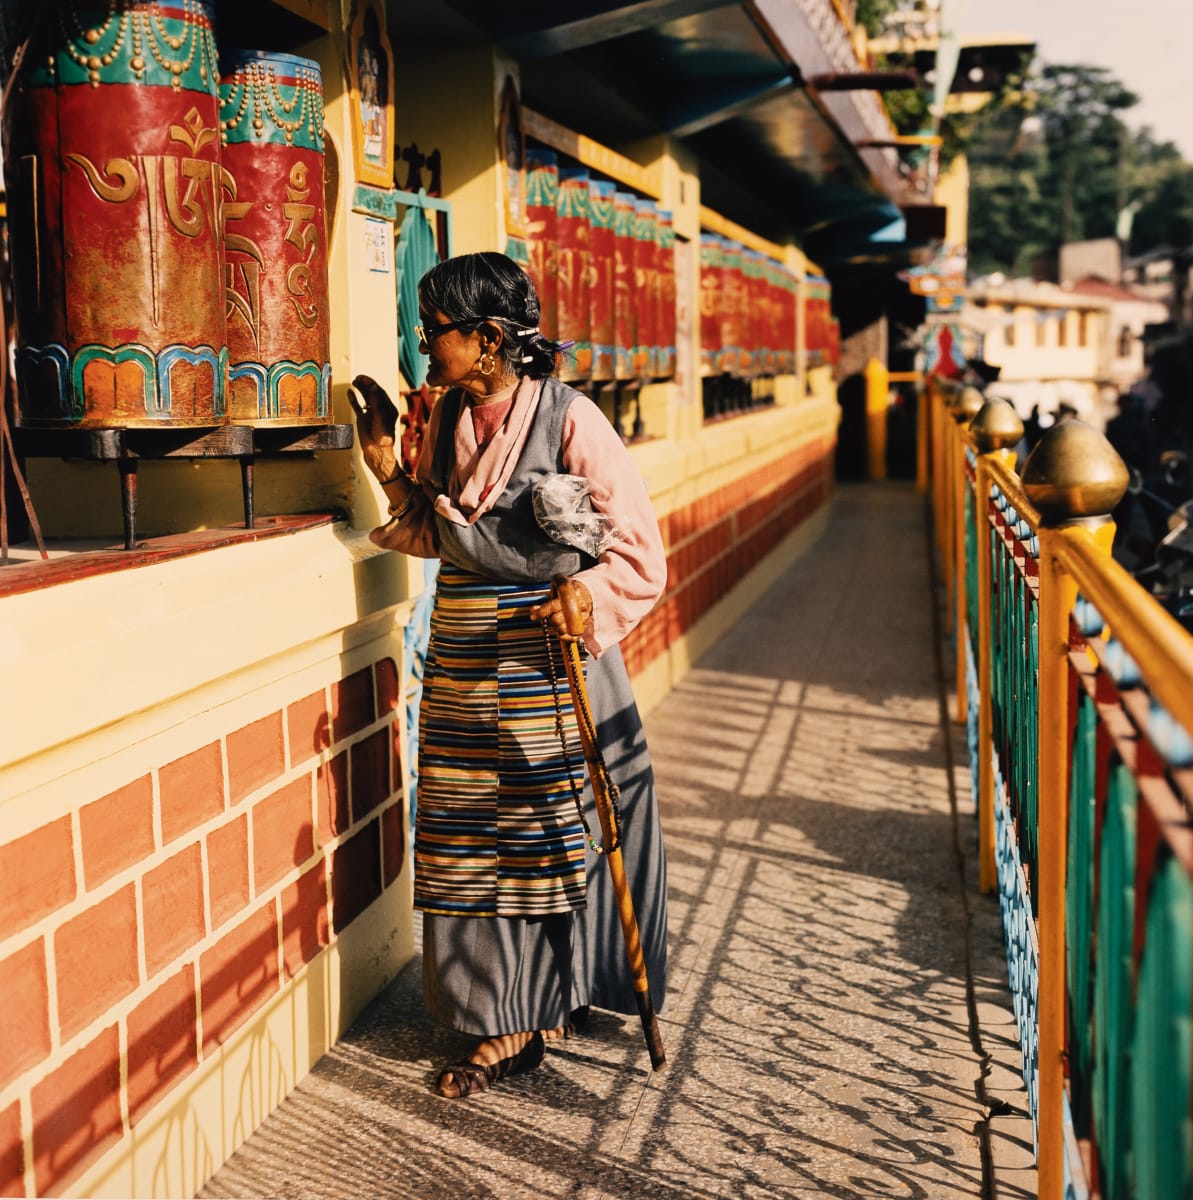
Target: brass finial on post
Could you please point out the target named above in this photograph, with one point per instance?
(1074, 474)
(996, 427)
(966, 405)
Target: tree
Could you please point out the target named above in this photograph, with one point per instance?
(1160, 195)
(1059, 164)
(871, 14)
(1085, 136)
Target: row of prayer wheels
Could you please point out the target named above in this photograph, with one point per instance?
(167, 225)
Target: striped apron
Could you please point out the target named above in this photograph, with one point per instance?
(498, 832)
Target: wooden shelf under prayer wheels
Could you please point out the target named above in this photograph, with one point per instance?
(128, 447)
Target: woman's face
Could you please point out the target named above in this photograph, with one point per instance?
(455, 354)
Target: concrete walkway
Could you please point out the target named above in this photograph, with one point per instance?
(838, 1022)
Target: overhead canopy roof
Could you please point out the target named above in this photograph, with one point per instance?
(725, 79)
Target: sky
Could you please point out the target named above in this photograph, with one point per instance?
(1147, 44)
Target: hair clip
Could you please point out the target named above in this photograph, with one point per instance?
(526, 358)
(528, 332)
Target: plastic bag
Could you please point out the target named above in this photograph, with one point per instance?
(563, 508)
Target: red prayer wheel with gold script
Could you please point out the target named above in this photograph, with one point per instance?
(625, 310)
(667, 294)
(112, 162)
(602, 269)
(275, 242)
(646, 288)
(711, 267)
(732, 297)
(542, 197)
(574, 277)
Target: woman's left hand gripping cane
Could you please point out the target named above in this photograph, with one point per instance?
(568, 614)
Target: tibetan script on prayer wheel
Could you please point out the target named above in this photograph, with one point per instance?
(542, 198)
(602, 262)
(275, 243)
(115, 195)
(646, 279)
(574, 280)
(625, 311)
(667, 294)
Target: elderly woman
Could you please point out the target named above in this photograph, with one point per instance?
(520, 930)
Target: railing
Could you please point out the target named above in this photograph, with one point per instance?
(1076, 687)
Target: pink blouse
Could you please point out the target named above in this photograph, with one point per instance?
(626, 580)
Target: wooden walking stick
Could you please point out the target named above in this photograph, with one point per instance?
(604, 792)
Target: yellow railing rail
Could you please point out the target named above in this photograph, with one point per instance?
(1159, 644)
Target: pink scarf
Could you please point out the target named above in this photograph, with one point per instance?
(481, 475)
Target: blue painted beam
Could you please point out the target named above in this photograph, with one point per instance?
(727, 99)
(541, 29)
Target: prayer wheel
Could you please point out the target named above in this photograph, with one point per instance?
(275, 241)
(667, 294)
(732, 295)
(711, 269)
(542, 198)
(574, 278)
(646, 288)
(625, 312)
(752, 311)
(602, 268)
(112, 161)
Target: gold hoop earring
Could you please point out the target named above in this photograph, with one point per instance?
(487, 364)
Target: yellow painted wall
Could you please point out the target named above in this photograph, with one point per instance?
(451, 104)
(123, 673)
(952, 191)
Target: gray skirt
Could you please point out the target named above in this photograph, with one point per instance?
(493, 975)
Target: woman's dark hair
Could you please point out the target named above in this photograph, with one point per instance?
(491, 287)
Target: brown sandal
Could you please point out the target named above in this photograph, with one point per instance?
(472, 1077)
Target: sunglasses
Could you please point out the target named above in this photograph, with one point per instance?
(425, 333)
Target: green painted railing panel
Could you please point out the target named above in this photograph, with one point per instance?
(1028, 709)
(998, 647)
(1113, 1016)
(1079, 910)
(971, 568)
(1161, 1163)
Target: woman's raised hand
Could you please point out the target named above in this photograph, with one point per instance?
(376, 426)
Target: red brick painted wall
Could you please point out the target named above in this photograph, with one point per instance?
(714, 542)
(139, 931)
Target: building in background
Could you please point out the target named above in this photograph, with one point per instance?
(1074, 348)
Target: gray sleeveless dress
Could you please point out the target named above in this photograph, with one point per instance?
(515, 969)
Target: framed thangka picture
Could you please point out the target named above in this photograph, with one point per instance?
(371, 64)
